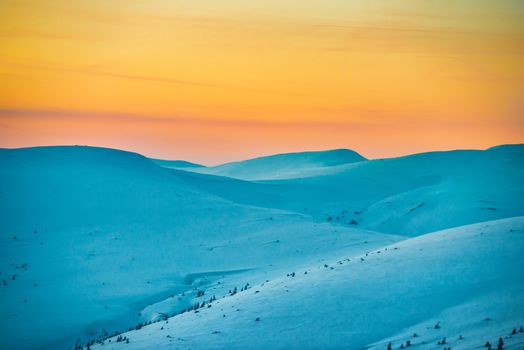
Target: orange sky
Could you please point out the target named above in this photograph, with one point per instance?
(213, 81)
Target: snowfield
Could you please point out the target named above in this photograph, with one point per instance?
(459, 279)
(302, 250)
(409, 195)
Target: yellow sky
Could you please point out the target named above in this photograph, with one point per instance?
(215, 80)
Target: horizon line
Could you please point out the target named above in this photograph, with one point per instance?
(264, 155)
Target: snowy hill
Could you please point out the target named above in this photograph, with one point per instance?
(90, 236)
(407, 195)
(176, 164)
(283, 166)
(462, 285)
(95, 241)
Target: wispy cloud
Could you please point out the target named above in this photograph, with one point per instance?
(94, 70)
(413, 37)
(98, 116)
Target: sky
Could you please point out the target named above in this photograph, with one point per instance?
(214, 81)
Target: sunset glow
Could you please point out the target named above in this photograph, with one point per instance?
(213, 81)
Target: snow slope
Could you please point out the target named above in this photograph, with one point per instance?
(175, 163)
(96, 239)
(283, 166)
(409, 195)
(91, 237)
(464, 284)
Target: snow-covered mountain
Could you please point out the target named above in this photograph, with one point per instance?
(408, 195)
(90, 236)
(95, 241)
(463, 285)
(283, 166)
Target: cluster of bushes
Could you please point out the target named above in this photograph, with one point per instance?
(487, 345)
(500, 345)
(121, 339)
(197, 306)
(235, 290)
(104, 336)
(342, 217)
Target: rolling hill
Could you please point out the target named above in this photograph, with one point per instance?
(324, 248)
(283, 166)
(408, 195)
(462, 285)
(90, 237)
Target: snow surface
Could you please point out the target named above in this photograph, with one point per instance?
(409, 195)
(94, 241)
(283, 166)
(176, 164)
(466, 280)
(90, 236)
